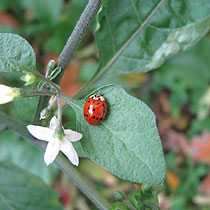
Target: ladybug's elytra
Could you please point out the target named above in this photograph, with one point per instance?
(95, 109)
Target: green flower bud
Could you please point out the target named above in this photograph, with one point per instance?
(29, 78)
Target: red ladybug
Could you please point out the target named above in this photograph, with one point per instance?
(95, 109)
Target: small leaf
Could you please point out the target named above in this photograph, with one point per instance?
(126, 143)
(55, 73)
(138, 36)
(19, 190)
(16, 54)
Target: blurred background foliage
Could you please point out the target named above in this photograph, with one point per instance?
(178, 92)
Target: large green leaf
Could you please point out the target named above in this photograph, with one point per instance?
(16, 54)
(126, 143)
(138, 35)
(15, 149)
(20, 190)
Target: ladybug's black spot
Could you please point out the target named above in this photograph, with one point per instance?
(86, 115)
(96, 118)
(101, 118)
(94, 109)
(104, 111)
(88, 108)
(93, 117)
(98, 103)
(103, 105)
(88, 101)
(99, 99)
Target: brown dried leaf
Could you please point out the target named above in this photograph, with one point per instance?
(7, 19)
(205, 185)
(200, 148)
(175, 141)
(172, 179)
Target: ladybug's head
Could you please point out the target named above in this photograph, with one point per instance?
(98, 97)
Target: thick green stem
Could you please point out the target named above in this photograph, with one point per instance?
(20, 128)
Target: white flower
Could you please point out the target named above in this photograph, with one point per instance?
(7, 94)
(54, 144)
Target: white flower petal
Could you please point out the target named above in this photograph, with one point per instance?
(6, 94)
(5, 99)
(67, 148)
(53, 123)
(5, 90)
(51, 151)
(41, 133)
(72, 136)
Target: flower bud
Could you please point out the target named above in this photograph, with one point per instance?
(29, 78)
(51, 65)
(44, 114)
(7, 94)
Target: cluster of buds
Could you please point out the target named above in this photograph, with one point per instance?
(58, 138)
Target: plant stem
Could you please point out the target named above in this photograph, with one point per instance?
(62, 162)
(52, 104)
(81, 183)
(36, 93)
(59, 111)
(78, 33)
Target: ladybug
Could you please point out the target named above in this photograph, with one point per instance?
(95, 109)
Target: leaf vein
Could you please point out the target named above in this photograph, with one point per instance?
(143, 161)
(135, 11)
(5, 200)
(140, 28)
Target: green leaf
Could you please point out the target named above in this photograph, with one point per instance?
(20, 152)
(138, 35)
(126, 143)
(16, 54)
(20, 190)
